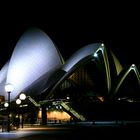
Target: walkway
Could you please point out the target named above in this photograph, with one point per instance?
(81, 131)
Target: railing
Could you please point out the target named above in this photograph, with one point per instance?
(70, 109)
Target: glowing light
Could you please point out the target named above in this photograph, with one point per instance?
(25, 105)
(9, 88)
(18, 101)
(102, 45)
(95, 54)
(6, 104)
(68, 97)
(58, 115)
(101, 98)
(130, 100)
(22, 96)
(133, 65)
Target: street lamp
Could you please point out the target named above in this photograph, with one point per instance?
(22, 96)
(6, 105)
(18, 101)
(8, 89)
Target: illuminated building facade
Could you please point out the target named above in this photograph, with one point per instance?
(90, 76)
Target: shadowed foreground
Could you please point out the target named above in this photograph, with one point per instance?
(73, 132)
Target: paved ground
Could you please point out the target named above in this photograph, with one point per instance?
(87, 132)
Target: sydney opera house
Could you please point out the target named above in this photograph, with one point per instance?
(91, 85)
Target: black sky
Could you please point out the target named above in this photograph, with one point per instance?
(71, 29)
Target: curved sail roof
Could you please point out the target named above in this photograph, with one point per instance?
(123, 75)
(34, 55)
(89, 52)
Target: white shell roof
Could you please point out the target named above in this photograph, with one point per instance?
(34, 55)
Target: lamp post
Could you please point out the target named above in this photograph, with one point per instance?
(8, 89)
(22, 96)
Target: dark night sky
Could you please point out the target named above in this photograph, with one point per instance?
(71, 29)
